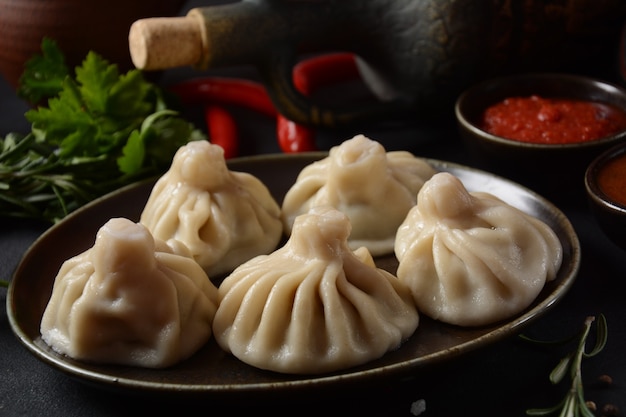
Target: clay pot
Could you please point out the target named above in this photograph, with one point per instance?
(76, 25)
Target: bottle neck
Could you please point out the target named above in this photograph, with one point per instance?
(248, 32)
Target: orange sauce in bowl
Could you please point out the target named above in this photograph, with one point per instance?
(553, 121)
(612, 179)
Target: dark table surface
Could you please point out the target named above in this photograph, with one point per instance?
(504, 378)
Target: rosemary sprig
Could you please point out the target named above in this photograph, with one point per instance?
(574, 404)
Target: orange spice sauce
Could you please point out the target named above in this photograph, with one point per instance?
(612, 179)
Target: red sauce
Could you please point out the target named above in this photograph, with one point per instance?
(612, 179)
(552, 121)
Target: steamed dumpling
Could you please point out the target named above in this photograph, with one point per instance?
(373, 187)
(131, 300)
(223, 217)
(313, 305)
(471, 259)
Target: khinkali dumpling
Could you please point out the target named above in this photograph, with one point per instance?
(470, 258)
(224, 217)
(313, 305)
(130, 299)
(373, 187)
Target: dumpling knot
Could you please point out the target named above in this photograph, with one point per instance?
(444, 196)
(324, 226)
(357, 168)
(201, 164)
(123, 243)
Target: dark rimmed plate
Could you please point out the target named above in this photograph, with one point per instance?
(211, 371)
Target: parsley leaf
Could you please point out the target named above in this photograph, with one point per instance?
(44, 74)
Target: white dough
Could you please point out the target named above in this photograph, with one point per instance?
(130, 300)
(471, 259)
(375, 188)
(223, 217)
(313, 305)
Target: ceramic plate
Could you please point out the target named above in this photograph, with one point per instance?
(211, 371)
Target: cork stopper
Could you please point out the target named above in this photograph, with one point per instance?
(165, 42)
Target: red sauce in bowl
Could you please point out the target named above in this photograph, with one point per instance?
(553, 121)
(612, 179)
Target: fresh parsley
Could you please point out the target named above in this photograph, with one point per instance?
(98, 131)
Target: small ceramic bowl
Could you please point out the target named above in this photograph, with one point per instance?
(605, 185)
(551, 169)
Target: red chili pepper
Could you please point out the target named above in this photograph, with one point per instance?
(294, 137)
(308, 77)
(209, 91)
(222, 130)
(314, 73)
(218, 90)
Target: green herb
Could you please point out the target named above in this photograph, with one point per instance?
(574, 404)
(44, 74)
(100, 130)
